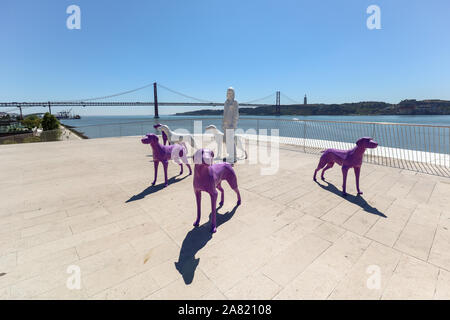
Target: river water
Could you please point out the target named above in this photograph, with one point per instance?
(434, 137)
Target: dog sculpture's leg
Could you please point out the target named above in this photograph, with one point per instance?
(344, 182)
(193, 143)
(155, 164)
(240, 146)
(165, 165)
(164, 137)
(328, 166)
(321, 164)
(186, 162)
(232, 181)
(221, 194)
(357, 172)
(219, 141)
(238, 195)
(180, 162)
(213, 211)
(198, 198)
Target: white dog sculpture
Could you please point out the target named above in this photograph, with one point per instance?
(173, 137)
(219, 135)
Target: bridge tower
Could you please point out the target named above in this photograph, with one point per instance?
(155, 97)
(277, 104)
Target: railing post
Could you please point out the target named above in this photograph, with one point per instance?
(257, 132)
(304, 137)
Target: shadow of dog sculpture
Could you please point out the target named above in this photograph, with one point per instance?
(347, 159)
(208, 177)
(163, 154)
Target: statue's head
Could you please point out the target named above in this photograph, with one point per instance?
(230, 94)
(150, 139)
(204, 157)
(367, 142)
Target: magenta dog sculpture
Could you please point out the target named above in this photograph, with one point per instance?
(163, 154)
(347, 159)
(208, 177)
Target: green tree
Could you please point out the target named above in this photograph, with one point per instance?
(49, 122)
(31, 121)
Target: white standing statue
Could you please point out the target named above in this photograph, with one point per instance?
(229, 124)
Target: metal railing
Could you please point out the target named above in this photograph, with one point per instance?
(417, 147)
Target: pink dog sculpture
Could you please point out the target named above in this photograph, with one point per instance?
(208, 177)
(347, 159)
(165, 153)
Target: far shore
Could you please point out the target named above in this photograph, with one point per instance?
(364, 108)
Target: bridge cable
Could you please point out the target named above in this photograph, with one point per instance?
(252, 101)
(182, 94)
(110, 96)
(290, 99)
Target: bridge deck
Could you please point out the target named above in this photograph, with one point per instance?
(88, 203)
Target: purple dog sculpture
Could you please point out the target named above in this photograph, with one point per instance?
(165, 153)
(208, 177)
(347, 159)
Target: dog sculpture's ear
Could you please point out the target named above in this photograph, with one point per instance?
(212, 154)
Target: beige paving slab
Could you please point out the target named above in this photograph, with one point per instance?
(179, 290)
(64, 243)
(341, 212)
(440, 197)
(297, 257)
(442, 286)
(8, 262)
(329, 232)
(387, 230)
(412, 279)
(370, 275)
(255, 287)
(214, 294)
(136, 287)
(28, 270)
(319, 279)
(440, 249)
(417, 237)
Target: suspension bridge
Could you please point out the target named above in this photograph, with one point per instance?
(106, 101)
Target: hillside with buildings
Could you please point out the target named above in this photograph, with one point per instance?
(405, 107)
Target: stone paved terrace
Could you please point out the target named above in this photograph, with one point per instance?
(88, 203)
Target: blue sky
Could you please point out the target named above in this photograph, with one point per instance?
(201, 47)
